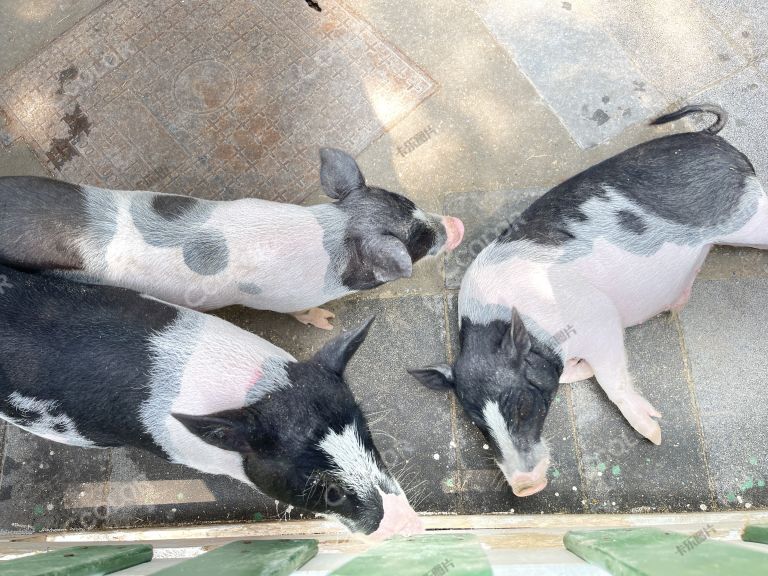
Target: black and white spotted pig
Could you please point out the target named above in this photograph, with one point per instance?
(548, 300)
(100, 366)
(205, 254)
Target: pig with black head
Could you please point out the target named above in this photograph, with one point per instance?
(548, 300)
(100, 366)
(206, 254)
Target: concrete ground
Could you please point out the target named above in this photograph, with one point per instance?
(471, 108)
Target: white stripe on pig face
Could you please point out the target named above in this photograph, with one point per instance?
(384, 510)
(525, 472)
(355, 466)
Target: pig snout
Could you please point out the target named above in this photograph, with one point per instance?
(399, 518)
(529, 483)
(454, 230)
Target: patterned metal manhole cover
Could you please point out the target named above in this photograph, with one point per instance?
(204, 86)
(214, 99)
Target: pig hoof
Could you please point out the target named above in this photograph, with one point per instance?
(648, 428)
(655, 436)
(316, 317)
(640, 413)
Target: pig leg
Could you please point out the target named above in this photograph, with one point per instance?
(617, 383)
(576, 370)
(316, 317)
(608, 359)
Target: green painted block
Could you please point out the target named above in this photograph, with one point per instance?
(248, 557)
(78, 561)
(423, 555)
(652, 552)
(756, 533)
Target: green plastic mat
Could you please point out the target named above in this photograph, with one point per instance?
(756, 533)
(248, 558)
(78, 561)
(652, 552)
(423, 555)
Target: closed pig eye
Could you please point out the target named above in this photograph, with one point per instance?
(524, 405)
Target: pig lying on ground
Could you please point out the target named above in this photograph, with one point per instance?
(99, 366)
(548, 300)
(204, 254)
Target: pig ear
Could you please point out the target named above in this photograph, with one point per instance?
(339, 173)
(516, 341)
(388, 258)
(437, 377)
(228, 430)
(337, 353)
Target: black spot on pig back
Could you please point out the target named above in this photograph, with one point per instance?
(40, 222)
(86, 347)
(171, 207)
(631, 221)
(206, 252)
(695, 179)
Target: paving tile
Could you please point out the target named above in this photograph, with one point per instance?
(578, 68)
(724, 328)
(678, 69)
(762, 66)
(46, 485)
(743, 21)
(726, 262)
(743, 96)
(28, 26)
(624, 472)
(217, 102)
(147, 490)
(481, 485)
(18, 159)
(485, 216)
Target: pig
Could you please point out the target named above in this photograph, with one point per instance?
(99, 366)
(548, 300)
(205, 254)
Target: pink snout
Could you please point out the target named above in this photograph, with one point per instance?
(454, 229)
(399, 518)
(529, 483)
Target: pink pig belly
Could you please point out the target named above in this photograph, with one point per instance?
(639, 286)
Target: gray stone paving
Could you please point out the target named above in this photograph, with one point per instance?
(725, 335)
(678, 48)
(623, 472)
(743, 22)
(503, 85)
(26, 26)
(42, 482)
(748, 123)
(581, 71)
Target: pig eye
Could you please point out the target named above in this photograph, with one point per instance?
(334, 495)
